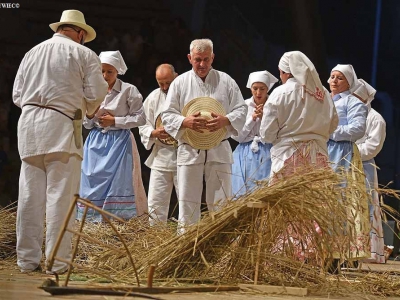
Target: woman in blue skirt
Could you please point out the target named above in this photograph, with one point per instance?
(344, 154)
(251, 158)
(107, 167)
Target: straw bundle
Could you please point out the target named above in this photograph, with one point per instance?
(302, 221)
(8, 238)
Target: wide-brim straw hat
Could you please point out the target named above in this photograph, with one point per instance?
(75, 17)
(207, 139)
(169, 140)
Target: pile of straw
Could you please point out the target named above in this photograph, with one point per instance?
(8, 238)
(236, 242)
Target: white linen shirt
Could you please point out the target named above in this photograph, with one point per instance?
(162, 157)
(124, 102)
(62, 74)
(372, 142)
(288, 119)
(217, 85)
(251, 128)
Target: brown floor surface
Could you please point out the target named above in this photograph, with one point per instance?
(17, 286)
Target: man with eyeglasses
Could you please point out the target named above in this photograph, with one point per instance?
(57, 81)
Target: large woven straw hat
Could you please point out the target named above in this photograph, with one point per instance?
(207, 139)
(169, 140)
(75, 17)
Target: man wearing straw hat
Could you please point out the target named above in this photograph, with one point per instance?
(298, 117)
(56, 80)
(162, 160)
(203, 108)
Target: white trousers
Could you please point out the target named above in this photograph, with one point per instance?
(159, 195)
(217, 177)
(47, 185)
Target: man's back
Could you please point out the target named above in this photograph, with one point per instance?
(57, 73)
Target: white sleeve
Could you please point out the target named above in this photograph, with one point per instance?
(146, 129)
(136, 116)
(374, 142)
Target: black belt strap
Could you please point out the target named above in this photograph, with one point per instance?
(52, 108)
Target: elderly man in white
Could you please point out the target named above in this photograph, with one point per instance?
(193, 164)
(298, 117)
(162, 160)
(369, 146)
(70, 79)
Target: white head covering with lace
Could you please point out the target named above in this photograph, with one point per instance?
(365, 91)
(349, 73)
(303, 70)
(262, 76)
(115, 59)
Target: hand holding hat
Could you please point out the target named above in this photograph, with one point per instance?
(217, 122)
(205, 123)
(196, 122)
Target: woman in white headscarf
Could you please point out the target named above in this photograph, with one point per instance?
(298, 117)
(344, 155)
(107, 177)
(252, 158)
(352, 116)
(369, 146)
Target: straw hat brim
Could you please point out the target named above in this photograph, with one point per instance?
(91, 33)
(207, 139)
(169, 140)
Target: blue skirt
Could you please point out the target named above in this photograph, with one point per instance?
(340, 154)
(249, 167)
(106, 177)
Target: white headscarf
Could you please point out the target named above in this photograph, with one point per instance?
(365, 91)
(349, 73)
(303, 70)
(262, 76)
(115, 59)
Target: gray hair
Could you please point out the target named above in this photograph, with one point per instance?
(201, 45)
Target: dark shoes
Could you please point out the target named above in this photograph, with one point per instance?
(38, 269)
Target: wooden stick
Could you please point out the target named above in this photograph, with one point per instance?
(150, 276)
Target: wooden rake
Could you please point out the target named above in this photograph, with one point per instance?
(78, 234)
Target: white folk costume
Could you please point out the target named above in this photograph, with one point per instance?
(161, 161)
(252, 157)
(108, 165)
(298, 117)
(193, 164)
(345, 157)
(70, 79)
(369, 146)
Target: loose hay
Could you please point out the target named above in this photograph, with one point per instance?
(279, 244)
(8, 238)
